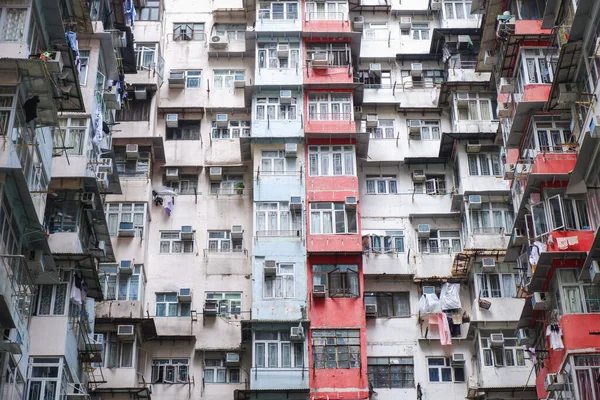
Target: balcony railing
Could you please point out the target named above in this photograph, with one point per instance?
(488, 230)
(340, 116)
(280, 233)
(148, 59)
(230, 191)
(425, 84)
(226, 251)
(14, 270)
(265, 15)
(434, 250)
(326, 16)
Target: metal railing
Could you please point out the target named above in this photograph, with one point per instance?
(280, 233)
(340, 116)
(434, 250)
(230, 191)
(265, 15)
(326, 16)
(225, 251)
(150, 60)
(409, 85)
(15, 271)
(488, 230)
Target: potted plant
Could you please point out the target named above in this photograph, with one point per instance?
(240, 187)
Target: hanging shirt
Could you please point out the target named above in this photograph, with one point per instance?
(444, 327)
(554, 334)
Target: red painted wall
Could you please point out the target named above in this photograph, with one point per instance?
(554, 163)
(537, 92)
(338, 313)
(530, 27)
(325, 25)
(584, 238)
(345, 126)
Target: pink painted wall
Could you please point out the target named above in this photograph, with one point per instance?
(536, 92)
(554, 163)
(530, 27)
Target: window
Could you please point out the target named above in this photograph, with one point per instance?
(276, 219)
(84, 57)
(45, 374)
(146, 55)
(534, 68)
(476, 108)
(235, 129)
(282, 284)
(268, 56)
(433, 185)
(72, 136)
(325, 217)
(117, 353)
(392, 242)
(336, 348)
(187, 130)
(273, 349)
(273, 162)
(216, 371)
(440, 370)
(227, 185)
(457, 10)
(12, 22)
(14, 383)
(331, 160)
(441, 242)
(121, 286)
(268, 108)
(484, 164)
(577, 297)
(390, 304)
(233, 32)
(384, 130)
(491, 219)
(559, 213)
(167, 305)
(376, 81)
(497, 285)
(139, 166)
(551, 135)
(340, 280)
(338, 54)
(185, 184)
(376, 31)
(330, 106)
(430, 130)
(391, 372)
(382, 184)
(136, 110)
(507, 355)
(221, 242)
(171, 243)
(223, 79)
(126, 212)
(188, 31)
(192, 79)
(165, 370)
(151, 12)
(52, 299)
(277, 10)
(420, 31)
(229, 302)
(330, 10)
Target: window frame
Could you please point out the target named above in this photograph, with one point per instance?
(323, 158)
(408, 377)
(420, 31)
(526, 55)
(490, 357)
(227, 185)
(327, 338)
(151, 10)
(285, 279)
(226, 78)
(68, 131)
(338, 279)
(446, 365)
(172, 238)
(178, 366)
(392, 237)
(385, 130)
(376, 30)
(84, 56)
(280, 112)
(187, 129)
(476, 219)
(465, 6)
(235, 130)
(378, 296)
(390, 183)
(4, 9)
(221, 298)
(334, 210)
(581, 288)
(112, 271)
(267, 56)
(52, 311)
(266, 209)
(265, 11)
(489, 162)
(195, 32)
(433, 185)
(276, 345)
(139, 228)
(434, 237)
(320, 106)
(484, 285)
(228, 371)
(182, 308)
(178, 185)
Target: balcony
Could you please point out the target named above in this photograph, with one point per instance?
(17, 292)
(273, 19)
(325, 124)
(278, 378)
(464, 70)
(278, 115)
(350, 243)
(279, 185)
(487, 238)
(327, 22)
(519, 106)
(227, 261)
(150, 67)
(222, 46)
(328, 67)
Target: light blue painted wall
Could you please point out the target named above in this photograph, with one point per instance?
(281, 77)
(278, 187)
(277, 128)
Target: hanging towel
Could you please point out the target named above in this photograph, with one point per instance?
(562, 243)
(444, 327)
(169, 207)
(572, 240)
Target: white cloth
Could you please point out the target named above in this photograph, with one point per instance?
(450, 296)
(98, 134)
(555, 337)
(430, 304)
(75, 293)
(562, 243)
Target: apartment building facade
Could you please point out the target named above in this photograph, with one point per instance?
(299, 200)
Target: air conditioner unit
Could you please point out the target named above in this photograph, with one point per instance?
(375, 69)
(177, 79)
(414, 125)
(88, 198)
(351, 202)
(474, 201)
(496, 339)
(140, 92)
(358, 111)
(270, 268)
(126, 229)
(184, 295)
(405, 22)
(540, 301)
(283, 50)
(436, 5)
(102, 179)
(490, 58)
(509, 171)
(507, 85)
(462, 99)
(473, 146)
(595, 272)
(554, 382)
(285, 97)
(567, 93)
(488, 264)
(35, 261)
(295, 203)
(172, 120)
(218, 42)
(418, 175)
(358, 23)
(320, 59)
(106, 165)
(232, 359)
(126, 267)
(371, 310)
(291, 149)
(215, 173)
(239, 81)
(519, 237)
(55, 63)
(131, 151)
(458, 358)
(416, 69)
(296, 333)
(172, 174)
(125, 332)
(524, 337)
(372, 120)
(237, 232)
(428, 289)
(423, 230)
(112, 99)
(504, 110)
(319, 290)
(222, 121)
(211, 307)
(187, 232)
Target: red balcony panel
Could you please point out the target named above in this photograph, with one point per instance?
(584, 240)
(331, 188)
(328, 76)
(347, 243)
(512, 156)
(576, 331)
(554, 163)
(326, 22)
(540, 387)
(327, 126)
(536, 92)
(530, 27)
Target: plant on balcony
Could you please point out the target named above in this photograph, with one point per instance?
(240, 187)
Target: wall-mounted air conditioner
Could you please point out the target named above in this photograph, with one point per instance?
(418, 175)
(428, 289)
(525, 337)
(184, 295)
(567, 93)
(490, 58)
(126, 229)
(504, 110)
(319, 290)
(126, 267)
(222, 120)
(554, 382)
(211, 307)
(351, 202)
(416, 69)
(488, 264)
(507, 85)
(285, 97)
(414, 126)
(509, 171)
(177, 79)
(540, 301)
(55, 63)
(102, 179)
(237, 232)
(218, 42)
(496, 339)
(88, 198)
(106, 165)
(239, 81)
(125, 332)
(375, 69)
(372, 120)
(215, 173)
(320, 59)
(405, 22)
(187, 232)
(358, 110)
(295, 203)
(283, 50)
(296, 333)
(140, 92)
(475, 201)
(131, 151)
(371, 310)
(458, 358)
(436, 5)
(291, 149)
(172, 174)
(595, 272)
(270, 268)
(358, 23)
(473, 146)
(232, 359)
(519, 237)
(423, 230)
